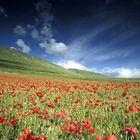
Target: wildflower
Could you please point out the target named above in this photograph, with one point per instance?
(133, 131)
(114, 107)
(91, 130)
(2, 119)
(132, 108)
(21, 138)
(13, 121)
(99, 137)
(111, 137)
(39, 95)
(86, 123)
(50, 105)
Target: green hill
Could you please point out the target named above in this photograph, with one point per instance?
(14, 61)
(88, 74)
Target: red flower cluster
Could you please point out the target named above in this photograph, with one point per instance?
(133, 131)
(78, 128)
(28, 136)
(50, 105)
(61, 115)
(18, 105)
(133, 108)
(53, 104)
(107, 137)
(72, 127)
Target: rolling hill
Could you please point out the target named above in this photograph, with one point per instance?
(14, 61)
(88, 74)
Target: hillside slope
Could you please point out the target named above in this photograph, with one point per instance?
(88, 74)
(14, 61)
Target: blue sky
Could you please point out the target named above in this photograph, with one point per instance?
(101, 36)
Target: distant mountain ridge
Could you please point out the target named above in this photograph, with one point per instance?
(14, 61)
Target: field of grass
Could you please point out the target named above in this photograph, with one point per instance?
(13, 61)
(36, 108)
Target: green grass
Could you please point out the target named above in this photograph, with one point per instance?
(16, 62)
(13, 61)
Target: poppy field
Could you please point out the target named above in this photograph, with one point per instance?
(34, 108)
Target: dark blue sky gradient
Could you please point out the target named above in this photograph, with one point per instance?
(97, 33)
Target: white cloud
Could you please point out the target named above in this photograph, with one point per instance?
(53, 47)
(122, 72)
(19, 30)
(71, 64)
(45, 18)
(24, 48)
(2, 12)
(114, 72)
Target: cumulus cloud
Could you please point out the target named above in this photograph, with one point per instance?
(122, 72)
(71, 64)
(53, 47)
(2, 12)
(41, 31)
(19, 30)
(24, 47)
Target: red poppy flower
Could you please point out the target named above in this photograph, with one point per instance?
(2, 119)
(13, 121)
(99, 137)
(26, 131)
(132, 108)
(114, 107)
(91, 130)
(111, 137)
(133, 131)
(39, 95)
(86, 123)
(21, 138)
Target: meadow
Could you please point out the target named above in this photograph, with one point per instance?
(36, 108)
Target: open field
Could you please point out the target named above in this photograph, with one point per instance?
(36, 108)
(70, 70)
